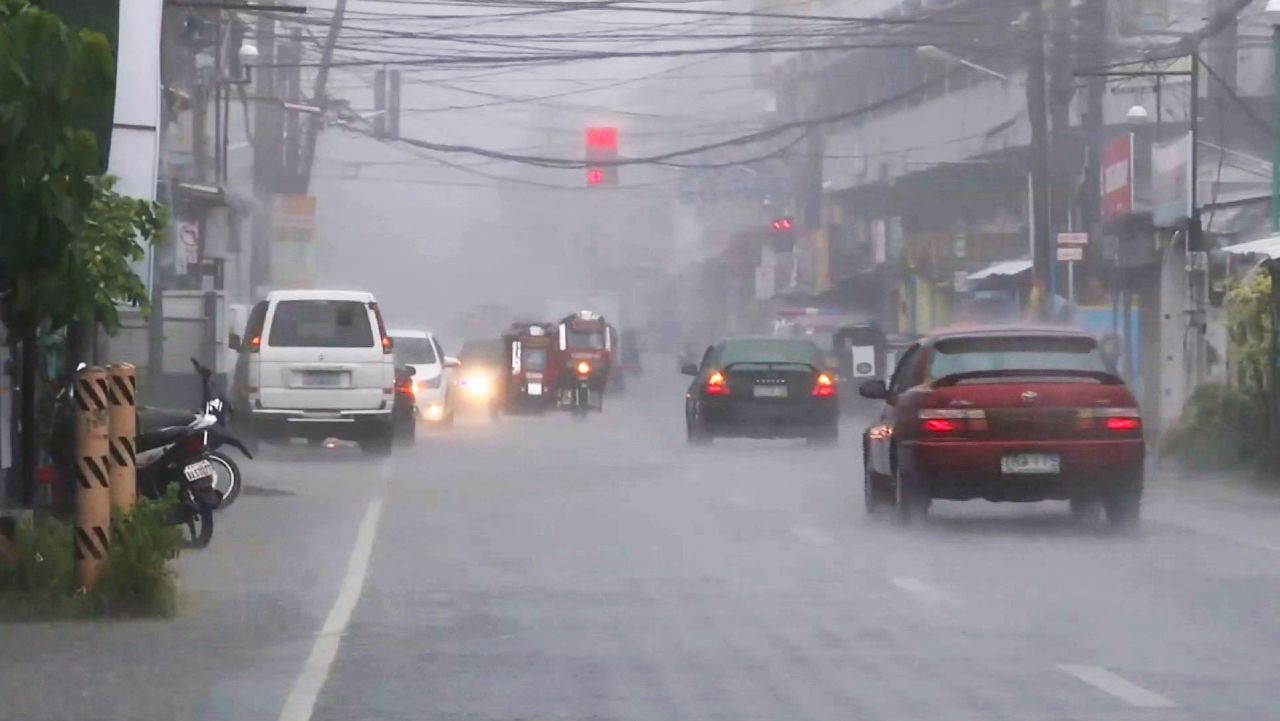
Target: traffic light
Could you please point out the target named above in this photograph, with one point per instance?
(783, 225)
(602, 145)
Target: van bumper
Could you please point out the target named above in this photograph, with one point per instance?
(353, 425)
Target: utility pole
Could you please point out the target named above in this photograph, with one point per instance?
(267, 132)
(320, 95)
(1038, 116)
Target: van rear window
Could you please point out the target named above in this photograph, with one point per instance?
(321, 324)
(1020, 353)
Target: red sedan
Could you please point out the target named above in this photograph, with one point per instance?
(1006, 414)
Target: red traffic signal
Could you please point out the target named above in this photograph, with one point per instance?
(602, 138)
(783, 225)
(595, 176)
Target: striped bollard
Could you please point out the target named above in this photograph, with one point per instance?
(93, 494)
(122, 424)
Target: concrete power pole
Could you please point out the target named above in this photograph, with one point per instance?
(268, 131)
(1038, 116)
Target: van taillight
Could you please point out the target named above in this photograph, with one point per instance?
(255, 344)
(386, 344)
(950, 420)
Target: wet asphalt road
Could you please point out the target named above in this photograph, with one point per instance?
(540, 568)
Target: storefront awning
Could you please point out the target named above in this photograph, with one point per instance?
(1004, 267)
(1268, 246)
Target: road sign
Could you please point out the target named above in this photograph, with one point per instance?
(1073, 238)
(1070, 253)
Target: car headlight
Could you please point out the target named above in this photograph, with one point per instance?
(478, 386)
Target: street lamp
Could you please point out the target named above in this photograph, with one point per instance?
(1137, 115)
(933, 52)
(1272, 15)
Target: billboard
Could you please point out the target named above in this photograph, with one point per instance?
(1117, 177)
(1171, 181)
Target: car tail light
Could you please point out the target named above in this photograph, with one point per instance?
(404, 386)
(193, 445)
(382, 328)
(949, 420)
(716, 385)
(255, 344)
(824, 386)
(1119, 420)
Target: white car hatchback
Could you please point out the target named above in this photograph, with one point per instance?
(316, 364)
(432, 376)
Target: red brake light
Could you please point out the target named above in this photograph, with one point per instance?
(940, 425)
(405, 386)
(255, 344)
(716, 385)
(824, 386)
(1123, 424)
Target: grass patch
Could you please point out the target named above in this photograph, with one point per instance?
(1221, 428)
(137, 580)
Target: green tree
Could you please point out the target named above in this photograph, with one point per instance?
(65, 236)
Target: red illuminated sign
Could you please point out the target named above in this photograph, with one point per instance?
(602, 138)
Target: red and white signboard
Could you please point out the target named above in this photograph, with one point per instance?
(1117, 177)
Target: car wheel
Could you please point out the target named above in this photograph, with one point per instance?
(1124, 504)
(696, 432)
(912, 503)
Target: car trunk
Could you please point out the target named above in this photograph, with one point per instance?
(764, 383)
(1032, 409)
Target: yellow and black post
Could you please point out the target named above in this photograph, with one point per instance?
(122, 423)
(93, 490)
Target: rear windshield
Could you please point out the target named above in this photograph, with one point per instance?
(413, 351)
(771, 350)
(321, 324)
(480, 352)
(593, 339)
(535, 359)
(966, 355)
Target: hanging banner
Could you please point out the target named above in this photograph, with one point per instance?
(1171, 181)
(1117, 177)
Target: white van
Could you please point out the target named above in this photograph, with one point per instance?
(316, 364)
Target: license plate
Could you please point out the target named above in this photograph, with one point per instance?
(325, 379)
(1031, 463)
(770, 391)
(198, 470)
(535, 389)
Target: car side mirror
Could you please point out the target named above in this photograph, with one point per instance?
(689, 369)
(876, 390)
(233, 341)
(451, 362)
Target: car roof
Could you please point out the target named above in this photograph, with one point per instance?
(362, 296)
(1004, 331)
(408, 333)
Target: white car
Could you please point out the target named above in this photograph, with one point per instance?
(316, 364)
(432, 376)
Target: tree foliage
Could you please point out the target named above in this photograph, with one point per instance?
(1249, 332)
(50, 79)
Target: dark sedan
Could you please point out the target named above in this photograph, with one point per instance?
(762, 388)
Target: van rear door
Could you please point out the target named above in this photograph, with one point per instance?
(320, 354)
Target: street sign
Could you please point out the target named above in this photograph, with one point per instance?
(187, 251)
(1070, 253)
(1073, 238)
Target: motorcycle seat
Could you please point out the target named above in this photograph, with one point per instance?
(154, 419)
(160, 437)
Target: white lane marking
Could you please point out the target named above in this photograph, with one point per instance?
(922, 590)
(1123, 689)
(301, 701)
(812, 535)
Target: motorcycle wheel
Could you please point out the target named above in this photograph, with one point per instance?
(197, 528)
(226, 478)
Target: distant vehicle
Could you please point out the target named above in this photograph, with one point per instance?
(432, 373)
(479, 381)
(1013, 414)
(316, 364)
(586, 344)
(762, 388)
(530, 368)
